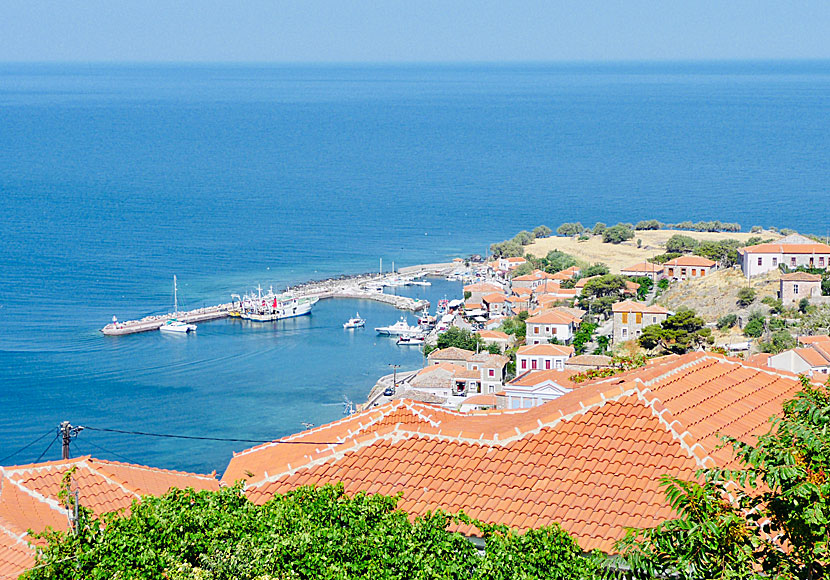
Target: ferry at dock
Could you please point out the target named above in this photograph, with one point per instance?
(270, 307)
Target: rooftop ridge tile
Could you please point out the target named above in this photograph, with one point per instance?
(53, 504)
(18, 538)
(150, 468)
(111, 480)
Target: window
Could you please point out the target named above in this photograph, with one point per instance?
(492, 389)
(533, 364)
(625, 333)
(821, 260)
(524, 363)
(682, 271)
(535, 330)
(671, 271)
(775, 262)
(492, 372)
(795, 288)
(792, 260)
(547, 364)
(694, 271)
(560, 364)
(625, 317)
(760, 261)
(639, 317)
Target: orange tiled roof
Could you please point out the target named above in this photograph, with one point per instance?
(599, 360)
(808, 339)
(482, 287)
(472, 306)
(520, 291)
(801, 277)
(773, 248)
(812, 357)
(546, 350)
(451, 353)
(492, 334)
(494, 298)
(532, 378)
(629, 306)
(759, 359)
(533, 467)
(550, 317)
(691, 261)
(29, 497)
(482, 399)
(644, 267)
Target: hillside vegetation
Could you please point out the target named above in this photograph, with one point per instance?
(618, 256)
(716, 295)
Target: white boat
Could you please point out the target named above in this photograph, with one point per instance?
(420, 283)
(356, 322)
(173, 324)
(426, 322)
(400, 328)
(271, 307)
(411, 340)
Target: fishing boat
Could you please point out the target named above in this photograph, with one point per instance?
(270, 307)
(420, 283)
(356, 322)
(426, 322)
(400, 328)
(411, 340)
(173, 324)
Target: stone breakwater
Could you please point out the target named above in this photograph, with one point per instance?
(358, 287)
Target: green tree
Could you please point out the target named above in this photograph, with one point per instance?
(681, 244)
(460, 338)
(583, 336)
(774, 303)
(803, 305)
(755, 326)
(557, 261)
(682, 332)
(781, 340)
(541, 232)
(598, 269)
(617, 234)
(648, 225)
(599, 227)
(746, 296)
(570, 229)
(663, 258)
(651, 336)
(603, 344)
(524, 238)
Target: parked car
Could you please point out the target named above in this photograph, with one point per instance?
(388, 392)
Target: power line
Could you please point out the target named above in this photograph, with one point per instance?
(25, 447)
(48, 448)
(127, 459)
(199, 438)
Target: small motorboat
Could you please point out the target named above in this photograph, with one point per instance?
(356, 322)
(400, 328)
(411, 340)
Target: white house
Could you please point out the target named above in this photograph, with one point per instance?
(535, 388)
(496, 337)
(645, 270)
(807, 360)
(548, 325)
(534, 357)
(686, 267)
(495, 304)
(792, 251)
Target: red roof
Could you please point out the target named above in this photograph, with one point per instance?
(545, 350)
(533, 378)
(29, 497)
(801, 277)
(647, 267)
(629, 306)
(691, 261)
(590, 460)
(550, 317)
(777, 248)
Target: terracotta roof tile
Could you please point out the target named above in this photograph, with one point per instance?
(691, 261)
(779, 248)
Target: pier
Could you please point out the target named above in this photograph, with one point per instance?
(355, 287)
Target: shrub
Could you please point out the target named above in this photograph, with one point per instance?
(541, 232)
(679, 243)
(617, 234)
(648, 225)
(727, 321)
(599, 227)
(755, 327)
(746, 296)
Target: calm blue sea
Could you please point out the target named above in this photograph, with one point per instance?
(114, 178)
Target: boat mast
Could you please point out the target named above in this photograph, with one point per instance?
(175, 296)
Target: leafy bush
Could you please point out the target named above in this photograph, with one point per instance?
(755, 229)
(727, 321)
(570, 229)
(617, 234)
(557, 261)
(595, 270)
(755, 327)
(648, 225)
(318, 533)
(599, 227)
(663, 258)
(746, 296)
(774, 303)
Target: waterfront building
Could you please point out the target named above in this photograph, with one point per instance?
(792, 251)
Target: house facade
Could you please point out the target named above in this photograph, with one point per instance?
(631, 317)
(534, 388)
(792, 251)
(797, 285)
(686, 267)
(645, 269)
(544, 327)
(534, 357)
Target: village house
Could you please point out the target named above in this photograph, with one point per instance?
(567, 274)
(517, 304)
(479, 290)
(534, 388)
(504, 341)
(586, 362)
(630, 287)
(686, 267)
(590, 460)
(452, 355)
(807, 360)
(507, 265)
(552, 324)
(469, 373)
(533, 357)
(792, 251)
(645, 270)
(495, 304)
(631, 317)
(531, 281)
(797, 285)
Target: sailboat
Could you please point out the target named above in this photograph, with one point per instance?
(173, 324)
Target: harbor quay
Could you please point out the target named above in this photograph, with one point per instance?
(359, 287)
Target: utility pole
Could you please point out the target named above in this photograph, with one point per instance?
(395, 377)
(68, 432)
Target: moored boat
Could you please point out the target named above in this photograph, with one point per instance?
(400, 328)
(411, 340)
(356, 322)
(271, 307)
(174, 325)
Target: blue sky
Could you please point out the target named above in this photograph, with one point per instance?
(412, 30)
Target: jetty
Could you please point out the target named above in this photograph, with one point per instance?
(360, 287)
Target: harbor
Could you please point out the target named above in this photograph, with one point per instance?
(359, 287)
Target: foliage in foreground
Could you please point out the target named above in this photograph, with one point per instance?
(768, 519)
(318, 533)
